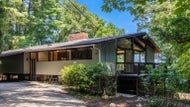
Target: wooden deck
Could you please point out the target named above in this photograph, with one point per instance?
(131, 82)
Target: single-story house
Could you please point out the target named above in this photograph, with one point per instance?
(128, 53)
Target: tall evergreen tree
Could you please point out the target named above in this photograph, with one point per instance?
(34, 22)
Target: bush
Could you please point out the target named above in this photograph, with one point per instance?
(75, 75)
(95, 78)
(161, 81)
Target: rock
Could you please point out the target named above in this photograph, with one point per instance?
(112, 105)
(140, 99)
(105, 96)
(139, 105)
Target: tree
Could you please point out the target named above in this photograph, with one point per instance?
(77, 18)
(182, 6)
(168, 21)
(11, 20)
(34, 22)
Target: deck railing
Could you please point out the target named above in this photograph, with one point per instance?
(134, 68)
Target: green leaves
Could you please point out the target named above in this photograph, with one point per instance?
(168, 21)
(92, 78)
(47, 21)
(161, 80)
(77, 18)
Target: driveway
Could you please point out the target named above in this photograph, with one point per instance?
(35, 94)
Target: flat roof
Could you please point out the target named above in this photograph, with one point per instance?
(76, 43)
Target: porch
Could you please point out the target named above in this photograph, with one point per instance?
(131, 82)
(132, 57)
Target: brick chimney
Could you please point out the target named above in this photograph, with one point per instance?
(77, 36)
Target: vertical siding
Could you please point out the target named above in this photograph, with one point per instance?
(12, 64)
(108, 52)
(95, 55)
(150, 54)
(0, 66)
(26, 63)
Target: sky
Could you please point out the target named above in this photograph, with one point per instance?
(120, 19)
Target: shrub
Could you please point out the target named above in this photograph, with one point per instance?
(75, 75)
(95, 78)
(102, 77)
(161, 81)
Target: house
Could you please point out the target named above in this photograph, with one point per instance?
(128, 53)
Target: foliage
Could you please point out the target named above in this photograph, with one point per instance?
(10, 20)
(33, 22)
(167, 21)
(183, 66)
(95, 78)
(161, 81)
(160, 102)
(158, 17)
(44, 20)
(77, 18)
(182, 6)
(75, 75)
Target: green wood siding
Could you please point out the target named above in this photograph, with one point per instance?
(0, 66)
(108, 53)
(12, 64)
(150, 54)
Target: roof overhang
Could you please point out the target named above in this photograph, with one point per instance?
(81, 43)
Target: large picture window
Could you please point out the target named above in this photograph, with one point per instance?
(61, 55)
(81, 53)
(43, 56)
(66, 54)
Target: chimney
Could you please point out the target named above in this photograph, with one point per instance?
(77, 36)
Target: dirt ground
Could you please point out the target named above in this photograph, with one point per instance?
(35, 94)
(118, 102)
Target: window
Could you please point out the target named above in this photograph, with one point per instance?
(81, 53)
(33, 55)
(120, 58)
(67, 54)
(61, 55)
(139, 56)
(43, 56)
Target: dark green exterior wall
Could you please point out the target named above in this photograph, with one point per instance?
(150, 54)
(108, 53)
(12, 64)
(0, 66)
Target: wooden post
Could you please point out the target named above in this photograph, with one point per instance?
(137, 85)
(132, 56)
(116, 72)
